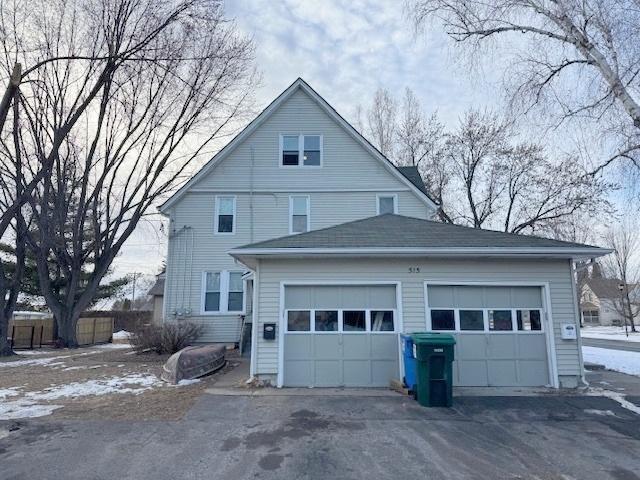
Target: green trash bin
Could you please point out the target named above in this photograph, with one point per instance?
(434, 358)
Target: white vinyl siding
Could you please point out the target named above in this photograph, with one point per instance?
(413, 316)
(343, 190)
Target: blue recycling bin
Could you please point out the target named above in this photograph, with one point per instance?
(410, 376)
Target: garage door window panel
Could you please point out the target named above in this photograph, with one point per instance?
(354, 321)
(298, 321)
(529, 320)
(500, 320)
(326, 320)
(471, 320)
(382, 321)
(443, 320)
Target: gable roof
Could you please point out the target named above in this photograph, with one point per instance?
(604, 287)
(300, 84)
(158, 288)
(391, 233)
(413, 175)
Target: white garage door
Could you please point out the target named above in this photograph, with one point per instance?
(340, 335)
(500, 333)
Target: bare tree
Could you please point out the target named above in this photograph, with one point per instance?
(624, 264)
(572, 58)
(158, 82)
(381, 119)
(486, 178)
(418, 138)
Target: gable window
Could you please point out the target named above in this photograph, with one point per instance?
(387, 204)
(298, 214)
(225, 219)
(301, 150)
(223, 292)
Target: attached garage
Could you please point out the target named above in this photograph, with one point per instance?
(501, 332)
(339, 298)
(340, 335)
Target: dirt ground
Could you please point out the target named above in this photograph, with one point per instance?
(40, 371)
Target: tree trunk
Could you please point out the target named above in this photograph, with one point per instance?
(67, 320)
(5, 346)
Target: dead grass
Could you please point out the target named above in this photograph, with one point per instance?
(163, 402)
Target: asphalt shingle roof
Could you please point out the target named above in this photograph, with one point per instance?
(413, 175)
(396, 231)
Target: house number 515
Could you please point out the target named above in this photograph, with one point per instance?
(414, 269)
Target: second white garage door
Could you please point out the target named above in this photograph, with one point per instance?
(500, 333)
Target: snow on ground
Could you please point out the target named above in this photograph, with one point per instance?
(30, 404)
(132, 383)
(24, 408)
(109, 346)
(618, 360)
(48, 361)
(121, 335)
(610, 333)
(187, 381)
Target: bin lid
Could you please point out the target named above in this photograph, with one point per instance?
(433, 338)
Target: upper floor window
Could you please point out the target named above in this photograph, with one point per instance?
(387, 204)
(298, 214)
(225, 219)
(301, 150)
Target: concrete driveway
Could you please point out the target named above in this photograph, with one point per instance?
(347, 437)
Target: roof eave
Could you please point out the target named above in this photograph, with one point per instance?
(244, 255)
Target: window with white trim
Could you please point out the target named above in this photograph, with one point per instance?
(301, 150)
(222, 292)
(299, 218)
(387, 204)
(225, 218)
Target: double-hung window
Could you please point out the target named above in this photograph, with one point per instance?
(222, 292)
(299, 214)
(387, 204)
(225, 219)
(301, 150)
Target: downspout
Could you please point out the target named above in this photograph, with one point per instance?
(576, 304)
(254, 322)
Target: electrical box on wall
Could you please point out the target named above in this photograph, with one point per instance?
(569, 331)
(269, 331)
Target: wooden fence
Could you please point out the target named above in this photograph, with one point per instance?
(36, 332)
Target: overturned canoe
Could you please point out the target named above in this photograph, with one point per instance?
(193, 362)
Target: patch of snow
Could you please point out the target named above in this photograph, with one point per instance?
(8, 392)
(610, 333)
(133, 383)
(618, 397)
(122, 335)
(24, 408)
(618, 360)
(33, 352)
(121, 365)
(603, 413)
(187, 381)
(112, 346)
(79, 367)
(43, 361)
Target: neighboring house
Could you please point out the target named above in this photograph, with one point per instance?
(303, 229)
(600, 301)
(156, 292)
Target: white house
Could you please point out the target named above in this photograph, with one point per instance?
(304, 230)
(601, 301)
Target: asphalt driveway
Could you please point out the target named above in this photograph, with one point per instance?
(313, 437)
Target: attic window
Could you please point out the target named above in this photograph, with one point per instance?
(301, 150)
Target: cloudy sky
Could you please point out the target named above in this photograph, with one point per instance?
(345, 49)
